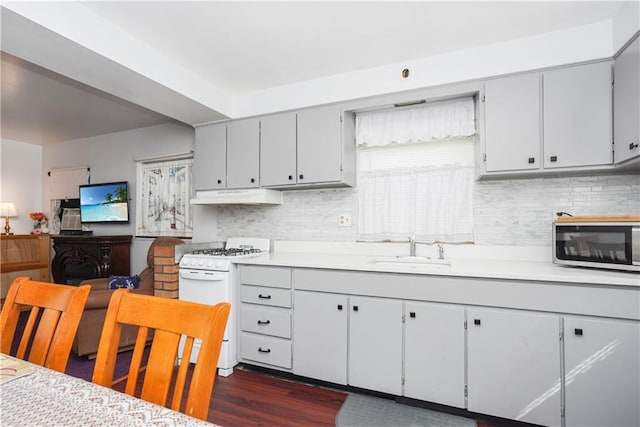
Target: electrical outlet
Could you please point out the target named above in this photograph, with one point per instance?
(344, 220)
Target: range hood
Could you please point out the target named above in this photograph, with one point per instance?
(250, 196)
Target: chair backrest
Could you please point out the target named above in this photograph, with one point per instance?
(52, 323)
(170, 319)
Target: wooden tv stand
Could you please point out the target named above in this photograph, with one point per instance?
(81, 257)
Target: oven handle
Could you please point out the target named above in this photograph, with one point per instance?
(209, 276)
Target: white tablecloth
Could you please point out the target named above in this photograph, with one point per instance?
(49, 398)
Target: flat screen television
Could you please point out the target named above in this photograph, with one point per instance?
(105, 203)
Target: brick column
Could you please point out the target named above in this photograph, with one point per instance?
(165, 273)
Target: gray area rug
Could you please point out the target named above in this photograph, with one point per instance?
(361, 410)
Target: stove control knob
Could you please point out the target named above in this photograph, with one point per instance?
(218, 264)
(209, 263)
(201, 262)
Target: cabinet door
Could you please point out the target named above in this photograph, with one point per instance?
(210, 158)
(626, 107)
(434, 353)
(278, 150)
(512, 123)
(513, 362)
(578, 116)
(243, 153)
(319, 145)
(375, 344)
(320, 336)
(601, 372)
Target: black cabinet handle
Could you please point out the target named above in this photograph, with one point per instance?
(264, 322)
(265, 350)
(219, 181)
(264, 296)
(578, 331)
(412, 314)
(339, 306)
(290, 177)
(632, 146)
(253, 180)
(476, 322)
(554, 158)
(532, 160)
(301, 176)
(355, 308)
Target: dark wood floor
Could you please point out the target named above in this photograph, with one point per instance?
(254, 397)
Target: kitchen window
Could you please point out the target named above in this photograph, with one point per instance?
(416, 172)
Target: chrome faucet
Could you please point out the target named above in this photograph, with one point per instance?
(440, 251)
(412, 246)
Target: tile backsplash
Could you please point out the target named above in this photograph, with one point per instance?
(506, 212)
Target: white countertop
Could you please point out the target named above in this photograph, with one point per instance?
(474, 268)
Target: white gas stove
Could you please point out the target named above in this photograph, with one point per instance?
(207, 276)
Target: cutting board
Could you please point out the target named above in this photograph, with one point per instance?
(618, 218)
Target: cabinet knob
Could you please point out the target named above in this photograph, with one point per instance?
(253, 180)
(264, 350)
(264, 322)
(264, 296)
(578, 331)
(476, 322)
(633, 145)
(532, 160)
(554, 158)
(290, 177)
(219, 181)
(339, 306)
(301, 176)
(412, 314)
(355, 308)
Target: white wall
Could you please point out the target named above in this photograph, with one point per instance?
(111, 158)
(20, 178)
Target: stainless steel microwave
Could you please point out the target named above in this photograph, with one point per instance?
(611, 243)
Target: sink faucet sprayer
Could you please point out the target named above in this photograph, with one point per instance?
(412, 246)
(440, 251)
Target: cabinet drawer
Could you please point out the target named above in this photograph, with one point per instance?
(266, 296)
(268, 321)
(276, 277)
(269, 350)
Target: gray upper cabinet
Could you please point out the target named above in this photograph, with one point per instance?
(578, 116)
(210, 157)
(319, 145)
(243, 153)
(626, 108)
(278, 150)
(512, 123)
(549, 122)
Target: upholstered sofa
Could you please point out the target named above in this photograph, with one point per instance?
(90, 329)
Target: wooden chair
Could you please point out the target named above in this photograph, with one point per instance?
(52, 324)
(170, 319)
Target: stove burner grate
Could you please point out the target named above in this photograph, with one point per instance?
(226, 252)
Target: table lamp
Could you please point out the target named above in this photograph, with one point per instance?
(7, 210)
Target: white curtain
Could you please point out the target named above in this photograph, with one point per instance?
(425, 189)
(439, 120)
(164, 191)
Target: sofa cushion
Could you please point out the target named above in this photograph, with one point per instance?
(130, 282)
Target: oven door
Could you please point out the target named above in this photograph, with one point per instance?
(595, 245)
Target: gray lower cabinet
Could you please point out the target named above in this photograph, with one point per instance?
(513, 363)
(626, 107)
(434, 353)
(602, 372)
(265, 316)
(210, 158)
(320, 331)
(375, 344)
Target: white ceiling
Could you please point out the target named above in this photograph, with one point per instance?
(245, 47)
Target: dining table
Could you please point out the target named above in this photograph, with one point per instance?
(31, 395)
